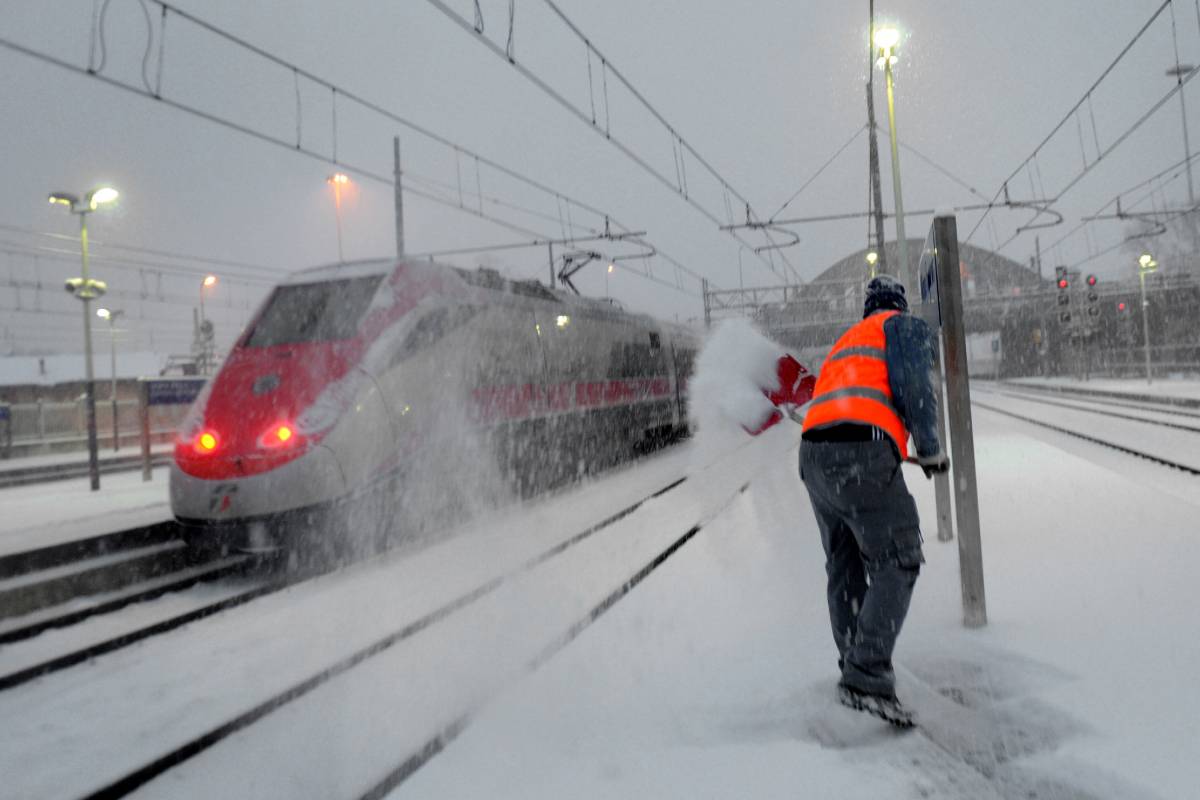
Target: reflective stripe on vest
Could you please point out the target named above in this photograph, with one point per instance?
(853, 385)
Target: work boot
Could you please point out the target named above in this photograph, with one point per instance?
(884, 706)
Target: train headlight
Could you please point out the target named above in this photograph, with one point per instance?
(206, 442)
(281, 434)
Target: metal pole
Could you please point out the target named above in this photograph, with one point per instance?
(550, 251)
(112, 339)
(1037, 249)
(337, 206)
(873, 148)
(962, 440)
(941, 481)
(90, 388)
(906, 271)
(399, 199)
(1145, 323)
(144, 419)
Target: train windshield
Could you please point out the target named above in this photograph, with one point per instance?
(314, 312)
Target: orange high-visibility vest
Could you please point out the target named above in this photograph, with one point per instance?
(853, 384)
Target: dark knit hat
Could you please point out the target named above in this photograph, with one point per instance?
(884, 293)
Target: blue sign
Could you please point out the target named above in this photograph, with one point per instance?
(927, 270)
(172, 391)
(5, 411)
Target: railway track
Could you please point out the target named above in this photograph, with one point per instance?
(24, 476)
(198, 744)
(1133, 447)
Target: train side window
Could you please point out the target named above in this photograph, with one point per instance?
(655, 342)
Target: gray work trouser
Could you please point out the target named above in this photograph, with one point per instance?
(872, 541)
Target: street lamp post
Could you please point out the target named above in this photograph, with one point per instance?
(338, 180)
(886, 40)
(85, 288)
(1146, 264)
(201, 332)
(111, 316)
(606, 274)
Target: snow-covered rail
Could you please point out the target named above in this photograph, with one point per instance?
(138, 777)
(1134, 446)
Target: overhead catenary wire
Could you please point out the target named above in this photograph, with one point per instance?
(1066, 117)
(583, 116)
(345, 95)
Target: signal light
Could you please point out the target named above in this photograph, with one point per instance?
(206, 442)
(1120, 306)
(1062, 283)
(1091, 280)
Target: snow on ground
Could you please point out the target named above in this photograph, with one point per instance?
(1172, 386)
(714, 678)
(49, 513)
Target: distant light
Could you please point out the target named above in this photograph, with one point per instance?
(206, 442)
(562, 321)
(103, 313)
(611, 268)
(537, 327)
(887, 38)
(1062, 283)
(339, 178)
(209, 281)
(1145, 259)
(872, 257)
(63, 199)
(891, 61)
(105, 194)
(1091, 280)
(1120, 306)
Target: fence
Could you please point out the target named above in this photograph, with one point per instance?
(53, 427)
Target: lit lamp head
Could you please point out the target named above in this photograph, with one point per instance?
(611, 267)
(63, 199)
(1147, 263)
(101, 196)
(872, 257)
(103, 313)
(338, 179)
(209, 281)
(885, 42)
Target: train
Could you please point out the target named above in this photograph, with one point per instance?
(392, 395)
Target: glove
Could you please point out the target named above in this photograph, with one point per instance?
(934, 465)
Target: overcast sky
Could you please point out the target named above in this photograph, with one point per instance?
(764, 91)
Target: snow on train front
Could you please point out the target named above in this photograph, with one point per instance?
(291, 422)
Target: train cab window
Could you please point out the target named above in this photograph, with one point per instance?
(314, 312)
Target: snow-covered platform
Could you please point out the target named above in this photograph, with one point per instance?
(716, 678)
(44, 514)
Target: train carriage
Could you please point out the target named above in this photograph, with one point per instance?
(412, 392)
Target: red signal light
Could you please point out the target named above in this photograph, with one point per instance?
(1062, 283)
(1091, 280)
(206, 443)
(1120, 306)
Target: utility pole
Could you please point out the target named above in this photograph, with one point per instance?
(399, 197)
(873, 145)
(550, 252)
